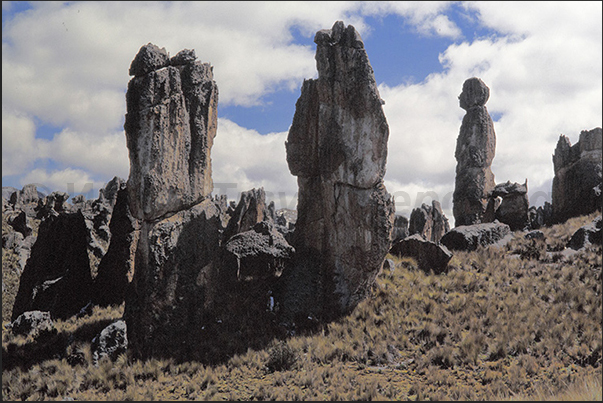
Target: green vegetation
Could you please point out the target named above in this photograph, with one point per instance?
(513, 323)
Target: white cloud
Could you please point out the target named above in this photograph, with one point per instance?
(19, 146)
(243, 159)
(72, 181)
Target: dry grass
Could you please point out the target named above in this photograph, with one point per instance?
(495, 327)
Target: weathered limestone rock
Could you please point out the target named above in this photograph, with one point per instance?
(250, 210)
(337, 148)
(400, 228)
(429, 255)
(260, 253)
(116, 268)
(541, 216)
(170, 125)
(470, 237)
(429, 222)
(175, 282)
(57, 276)
(25, 199)
(514, 205)
(111, 342)
(52, 205)
(34, 323)
(475, 148)
(578, 180)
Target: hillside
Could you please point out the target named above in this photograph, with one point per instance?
(517, 322)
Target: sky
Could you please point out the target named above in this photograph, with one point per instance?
(65, 73)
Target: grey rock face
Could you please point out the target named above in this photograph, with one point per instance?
(429, 222)
(475, 148)
(429, 255)
(33, 323)
(260, 253)
(400, 228)
(540, 216)
(170, 125)
(470, 237)
(116, 268)
(514, 205)
(149, 58)
(250, 210)
(175, 282)
(578, 176)
(111, 342)
(337, 147)
(57, 276)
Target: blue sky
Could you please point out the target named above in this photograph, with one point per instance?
(64, 76)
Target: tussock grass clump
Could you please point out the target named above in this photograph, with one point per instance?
(495, 327)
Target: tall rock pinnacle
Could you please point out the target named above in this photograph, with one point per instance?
(475, 147)
(337, 148)
(170, 126)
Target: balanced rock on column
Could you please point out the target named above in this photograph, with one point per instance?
(475, 148)
(337, 148)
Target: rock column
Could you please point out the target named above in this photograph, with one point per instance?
(337, 148)
(474, 153)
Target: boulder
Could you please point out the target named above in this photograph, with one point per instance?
(21, 223)
(35, 323)
(589, 234)
(337, 148)
(170, 125)
(111, 342)
(57, 275)
(470, 237)
(578, 176)
(429, 222)
(260, 253)
(430, 256)
(475, 148)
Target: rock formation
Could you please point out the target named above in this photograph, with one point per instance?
(429, 255)
(400, 230)
(170, 125)
(514, 205)
(116, 268)
(250, 210)
(337, 148)
(470, 237)
(57, 276)
(578, 183)
(429, 222)
(475, 147)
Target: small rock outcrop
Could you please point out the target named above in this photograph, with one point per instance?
(430, 256)
(429, 222)
(250, 210)
(337, 149)
(111, 342)
(589, 234)
(475, 148)
(400, 228)
(34, 323)
(578, 183)
(470, 237)
(170, 126)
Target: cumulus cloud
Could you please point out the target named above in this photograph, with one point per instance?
(72, 181)
(243, 159)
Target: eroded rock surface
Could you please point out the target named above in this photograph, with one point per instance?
(170, 125)
(337, 148)
(578, 182)
(475, 148)
(429, 222)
